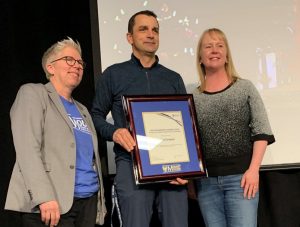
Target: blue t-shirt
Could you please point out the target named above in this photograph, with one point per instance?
(86, 178)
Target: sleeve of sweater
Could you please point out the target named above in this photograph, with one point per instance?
(102, 105)
(259, 122)
(181, 87)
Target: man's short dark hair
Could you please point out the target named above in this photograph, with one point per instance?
(132, 19)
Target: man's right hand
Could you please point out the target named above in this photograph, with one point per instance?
(50, 214)
(124, 138)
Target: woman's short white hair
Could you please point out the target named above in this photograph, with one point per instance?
(56, 48)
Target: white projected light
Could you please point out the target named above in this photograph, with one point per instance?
(264, 37)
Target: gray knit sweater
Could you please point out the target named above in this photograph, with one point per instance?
(230, 121)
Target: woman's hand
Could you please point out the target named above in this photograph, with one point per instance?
(250, 183)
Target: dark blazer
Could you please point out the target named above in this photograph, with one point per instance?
(46, 151)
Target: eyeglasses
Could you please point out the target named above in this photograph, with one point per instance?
(71, 61)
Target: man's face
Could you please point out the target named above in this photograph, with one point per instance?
(145, 36)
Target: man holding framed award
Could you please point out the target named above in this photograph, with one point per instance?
(141, 75)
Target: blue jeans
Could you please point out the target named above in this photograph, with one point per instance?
(222, 202)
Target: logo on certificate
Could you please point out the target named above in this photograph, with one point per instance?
(171, 168)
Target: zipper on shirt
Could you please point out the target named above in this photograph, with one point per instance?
(148, 82)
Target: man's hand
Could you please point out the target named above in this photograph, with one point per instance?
(179, 181)
(50, 214)
(124, 138)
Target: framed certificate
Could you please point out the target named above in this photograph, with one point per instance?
(167, 140)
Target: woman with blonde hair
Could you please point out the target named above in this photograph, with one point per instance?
(235, 132)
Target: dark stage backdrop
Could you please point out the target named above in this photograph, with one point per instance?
(28, 28)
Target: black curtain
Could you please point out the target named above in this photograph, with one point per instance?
(28, 28)
(279, 204)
